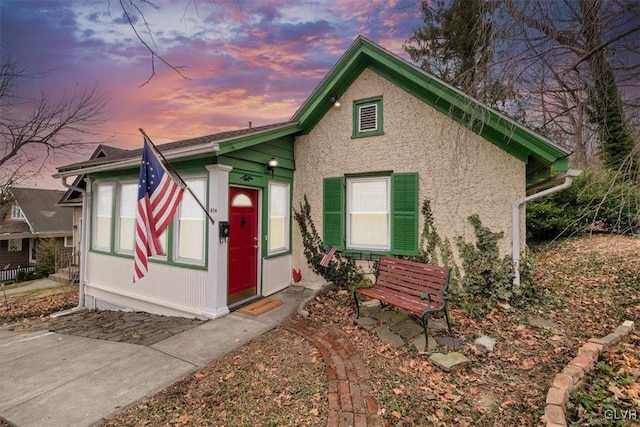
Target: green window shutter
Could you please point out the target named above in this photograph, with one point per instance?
(333, 212)
(404, 213)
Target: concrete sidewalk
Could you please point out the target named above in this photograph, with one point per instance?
(51, 379)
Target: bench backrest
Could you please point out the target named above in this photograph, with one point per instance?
(414, 278)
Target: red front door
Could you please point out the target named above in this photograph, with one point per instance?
(243, 244)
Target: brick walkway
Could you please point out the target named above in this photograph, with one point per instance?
(350, 400)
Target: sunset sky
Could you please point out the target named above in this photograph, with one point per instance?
(245, 60)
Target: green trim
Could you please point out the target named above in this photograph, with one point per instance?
(265, 212)
(377, 101)
(498, 129)
(368, 174)
(365, 253)
(93, 185)
(170, 249)
(255, 139)
(279, 254)
(153, 260)
(404, 213)
(333, 212)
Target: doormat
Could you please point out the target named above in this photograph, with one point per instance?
(259, 307)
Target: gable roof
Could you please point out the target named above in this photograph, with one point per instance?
(41, 210)
(541, 155)
(73, 197)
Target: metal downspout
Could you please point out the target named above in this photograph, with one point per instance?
(83, 250)
(515, 217)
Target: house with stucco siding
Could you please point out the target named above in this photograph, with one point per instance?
(374, 139)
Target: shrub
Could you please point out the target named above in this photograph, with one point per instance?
(21, 276)
(488, 278)
(341, 270)
(46, 254)
(432, 249)
(596, 201)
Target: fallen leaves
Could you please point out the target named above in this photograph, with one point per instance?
(280, 379)
(30, 311)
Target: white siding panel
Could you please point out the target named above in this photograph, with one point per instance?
(276, 274)
(182, 288)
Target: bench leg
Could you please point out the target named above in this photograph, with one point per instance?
(355, 297)
(425, 326)
(446, 315)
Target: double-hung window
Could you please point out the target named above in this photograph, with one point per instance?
(103, 212)
(191, 224)
(279, 218)
(368, 213)
(127, 206)
(16, 212)
(372, 213)
(115, 207)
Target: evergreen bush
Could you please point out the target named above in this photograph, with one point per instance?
(597, 201)
(46, 254)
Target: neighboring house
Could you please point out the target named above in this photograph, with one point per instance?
(31, 216)
(398, 137)
(72, 198)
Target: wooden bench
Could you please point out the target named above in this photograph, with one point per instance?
(413, 286)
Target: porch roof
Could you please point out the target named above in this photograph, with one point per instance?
(215, 144)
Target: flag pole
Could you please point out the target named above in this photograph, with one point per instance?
(175, 172)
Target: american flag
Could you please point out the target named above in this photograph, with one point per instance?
(158, 198)
(328, 254)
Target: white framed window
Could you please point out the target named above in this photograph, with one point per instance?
(33, 248)
(190, 227)
(126, 225)
(68, 241)
(16, 212)
(15, 245)
(369, 213)
(103, 204)
(279, 217)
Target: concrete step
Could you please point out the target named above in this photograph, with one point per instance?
(65, 276)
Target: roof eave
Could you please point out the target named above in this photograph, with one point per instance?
(217, 148)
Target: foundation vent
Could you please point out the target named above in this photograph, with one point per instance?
(106, 305)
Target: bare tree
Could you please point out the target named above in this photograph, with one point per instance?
(134, 13)
(34, 130)
(576, 60)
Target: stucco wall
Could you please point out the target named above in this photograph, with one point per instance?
(460, 172)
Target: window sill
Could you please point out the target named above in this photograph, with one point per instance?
(178, 263)
(278, 254)
(367, 134)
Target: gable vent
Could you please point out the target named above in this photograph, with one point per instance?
(368, 118)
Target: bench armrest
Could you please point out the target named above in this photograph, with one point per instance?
(427, 295)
